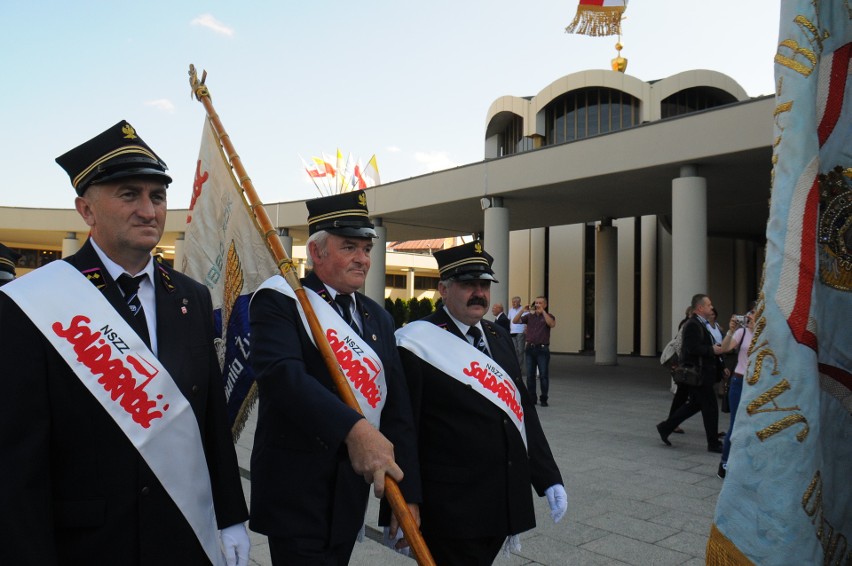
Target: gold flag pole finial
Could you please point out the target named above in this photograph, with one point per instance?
(619, 63)
(199, 89)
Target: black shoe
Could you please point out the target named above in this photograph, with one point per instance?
(664, 437)
(717, 448)
(544, 403)
(722, 471)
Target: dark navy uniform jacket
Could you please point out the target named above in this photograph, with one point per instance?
(73, 489)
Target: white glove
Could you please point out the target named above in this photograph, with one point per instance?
(513, 543)
(557, 498)
(235, 544)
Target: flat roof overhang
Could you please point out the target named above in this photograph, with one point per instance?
(626, 173)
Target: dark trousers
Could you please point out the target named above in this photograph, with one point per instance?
(308, 552)
(538, 356)
(679, 400)
(464, 552)
(735, 391)
(701, 398)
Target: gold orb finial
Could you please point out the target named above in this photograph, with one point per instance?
(619, 64)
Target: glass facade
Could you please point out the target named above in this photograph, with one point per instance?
(512, 138)
(694, 99)
(587, 112)
(396, 281)
(32, 259)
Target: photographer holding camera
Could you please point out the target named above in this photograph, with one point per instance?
(537, 347)
(740, 333)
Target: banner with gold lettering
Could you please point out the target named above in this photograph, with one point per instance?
(787, 497)
(224, 250)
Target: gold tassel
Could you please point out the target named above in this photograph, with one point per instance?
(597, 21)
(243, 413)
(722, 552)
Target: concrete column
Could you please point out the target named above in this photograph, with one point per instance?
(689, 240)
(374, 287)
(180, 253)
(606, 294)
(537, 261)
(286, 241)
(648, 287)
(70, 244)
(741, 297)
(497, 244)
(409, 282)
(626, 270)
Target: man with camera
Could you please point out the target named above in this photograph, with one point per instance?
(537, 348)
(699, 350)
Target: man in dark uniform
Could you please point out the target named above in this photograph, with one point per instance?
(476, 470)
(75, 487)
(699, 349)
(8, 261)
(312, 453)
(500, 318)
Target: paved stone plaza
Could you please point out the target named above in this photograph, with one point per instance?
(631, 499)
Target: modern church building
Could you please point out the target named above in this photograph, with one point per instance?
(616, 198)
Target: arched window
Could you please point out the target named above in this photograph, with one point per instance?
(510, 129)
(694, 99)
(587, 112)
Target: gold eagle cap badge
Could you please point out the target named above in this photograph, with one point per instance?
(477, 247)
(362, 199)
(128, 131)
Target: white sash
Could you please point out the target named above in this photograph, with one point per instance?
(360, 364)
(461, 361)
(129, 382)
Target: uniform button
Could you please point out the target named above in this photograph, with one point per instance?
(145, 490)
(195, 389)
(505, 421)
(510, 463)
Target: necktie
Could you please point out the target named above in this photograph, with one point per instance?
(478, 340)
(344, 302)
(130, 287)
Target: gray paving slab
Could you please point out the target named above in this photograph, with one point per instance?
(632, 500)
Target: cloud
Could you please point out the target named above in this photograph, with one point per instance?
(209, 22)
(434, 160)
(392, 149)
(162, 104)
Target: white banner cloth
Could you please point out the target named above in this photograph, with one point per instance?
(461, 361)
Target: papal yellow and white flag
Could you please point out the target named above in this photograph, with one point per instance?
(224, 250)
(787, 496)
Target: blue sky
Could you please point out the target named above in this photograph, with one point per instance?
(408, 81)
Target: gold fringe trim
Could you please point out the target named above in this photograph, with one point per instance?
(597, 21)
(243, 413)
(722, 552)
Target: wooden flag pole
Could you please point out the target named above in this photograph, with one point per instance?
(286, 267)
